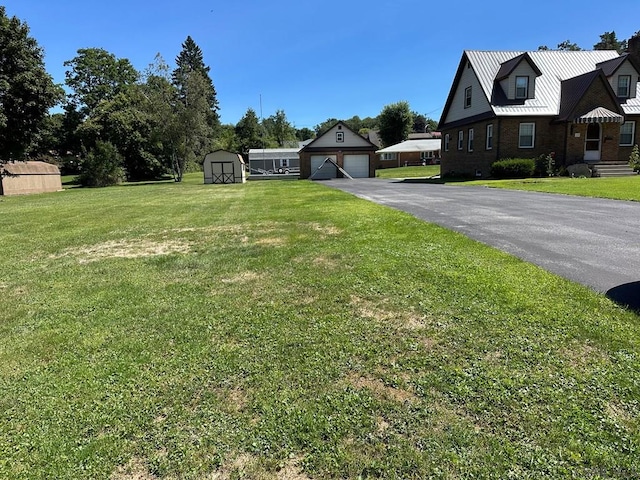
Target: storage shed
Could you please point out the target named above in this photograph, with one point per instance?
(21, 178)
(222, 166)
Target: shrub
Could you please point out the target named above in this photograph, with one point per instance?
(634, 159)
(545, 165)
(513, 168)
(101, 167)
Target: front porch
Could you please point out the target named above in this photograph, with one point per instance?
(594, 138)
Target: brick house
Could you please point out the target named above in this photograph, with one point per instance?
(581, 105)
(424, 151)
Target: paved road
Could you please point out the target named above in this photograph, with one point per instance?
(595, 242)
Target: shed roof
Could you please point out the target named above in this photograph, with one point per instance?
(421, 145)
(31, 168)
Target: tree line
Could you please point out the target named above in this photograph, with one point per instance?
(118, 123)
(608, 41)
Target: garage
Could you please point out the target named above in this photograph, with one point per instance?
(327, 171)
(354, 155)
(357, 165)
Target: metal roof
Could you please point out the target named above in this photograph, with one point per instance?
(421, 145)
(31, 168)
(555, 66)
(600, 115)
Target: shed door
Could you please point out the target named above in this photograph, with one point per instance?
(327, 171)
(357, 165)
(223, 172)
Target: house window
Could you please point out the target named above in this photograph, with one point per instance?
(426, 156)
(446, 142)
(624, 84)
(339, 137)
(627, 132)
(467, 97)
(388, 156)
(470, 141)
(284, 162)
(490, 136)
(460, 139)
(527, 135)
(522, 87)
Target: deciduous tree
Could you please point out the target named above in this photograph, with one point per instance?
(248, 132)
(279, 129)
(395, 122)
(96, 75)
(27, 91)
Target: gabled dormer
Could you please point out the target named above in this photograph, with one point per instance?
(623, 74)
(517, 78)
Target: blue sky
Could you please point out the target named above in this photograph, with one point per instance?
(322, 59)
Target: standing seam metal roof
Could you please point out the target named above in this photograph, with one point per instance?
(555, 66)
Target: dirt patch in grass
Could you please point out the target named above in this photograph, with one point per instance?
(243, 277)
(380, 390)
(580, 354)
(235, 400)
(134, 470)
(619, 414)
(125, 249)
(370, 309)
(245, 466)
(271, 242)
(328, 230)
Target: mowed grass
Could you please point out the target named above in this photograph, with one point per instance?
(621, 188)
(420, 171)
(286, 330)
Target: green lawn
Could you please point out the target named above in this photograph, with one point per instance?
(287, 330)
(409, 172)
(621, 188)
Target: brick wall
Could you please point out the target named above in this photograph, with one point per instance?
(463, 162)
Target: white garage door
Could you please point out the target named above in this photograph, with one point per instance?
(357, 165)
(328, 170)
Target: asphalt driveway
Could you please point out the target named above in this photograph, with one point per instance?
(595, 242)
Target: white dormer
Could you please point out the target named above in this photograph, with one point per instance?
(623, 75)
(624, 81)
(517, 77)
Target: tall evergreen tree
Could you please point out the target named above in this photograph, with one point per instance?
(190, 59)
(196, 106)
(27, 91)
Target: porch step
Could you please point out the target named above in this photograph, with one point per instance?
(612, 169)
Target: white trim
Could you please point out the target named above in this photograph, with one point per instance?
(460, 139)
(533, 135)
(526, 87)
(627, 93)
(633, 134)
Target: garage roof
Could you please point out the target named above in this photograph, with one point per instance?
(422, 145)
